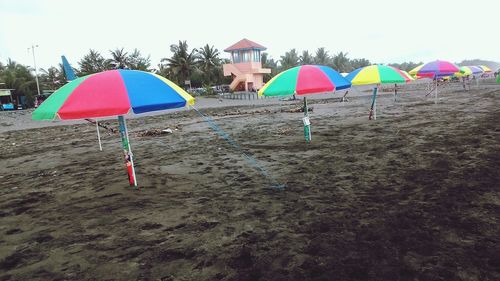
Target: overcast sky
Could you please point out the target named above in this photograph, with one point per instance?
(382, 31)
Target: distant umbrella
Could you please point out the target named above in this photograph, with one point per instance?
(375, 75)
(305, 80)
(485, 68)
(437, 69)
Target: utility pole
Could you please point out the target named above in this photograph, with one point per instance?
(34, 63)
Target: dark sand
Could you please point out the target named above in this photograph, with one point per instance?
(414, 195)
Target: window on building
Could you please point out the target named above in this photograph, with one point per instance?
(246, 56)
(236, 57)
(256, 55)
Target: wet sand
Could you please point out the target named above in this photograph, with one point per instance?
(414, 195)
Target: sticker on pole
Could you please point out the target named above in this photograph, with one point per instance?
(306, 121)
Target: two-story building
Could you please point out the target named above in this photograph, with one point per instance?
(245, 67)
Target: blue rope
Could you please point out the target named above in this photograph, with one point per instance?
(251, 160)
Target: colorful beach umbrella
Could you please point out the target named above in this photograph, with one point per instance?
(473, 69)
(305, 80)
(468, 70)
(408, 75)
(437, 69)
(485, 68)
(375, 75)
(414, 72)
(114, 93)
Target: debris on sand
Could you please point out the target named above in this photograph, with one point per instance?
(285, 131)
(298, 109)
(155, 132)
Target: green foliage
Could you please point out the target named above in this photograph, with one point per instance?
(182, 64)
(357, 63)
(289, 60)
(19, 78)
(322, 57)
(269, 63)
(306, 58)
(406, 66)
(137, 62)
(119, 59)
(341, 62)
(209, 64)
(92, 62)
(52, 78)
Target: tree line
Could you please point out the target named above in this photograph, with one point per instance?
(202, 67)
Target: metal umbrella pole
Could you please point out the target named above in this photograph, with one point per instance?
(307, 123)
(127, 151)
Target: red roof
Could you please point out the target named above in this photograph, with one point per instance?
(244, 44)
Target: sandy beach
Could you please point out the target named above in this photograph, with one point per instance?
(414, 195)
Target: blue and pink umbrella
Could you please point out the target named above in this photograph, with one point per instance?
(114, 93)
(305, 80)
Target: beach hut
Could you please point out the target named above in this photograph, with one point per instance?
(245, 67)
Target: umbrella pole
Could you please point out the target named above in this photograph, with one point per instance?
(307, 123)
(98, 134)
(395, 92)
(373, 108)
(436, 93)
(344, 97)
(127, 151)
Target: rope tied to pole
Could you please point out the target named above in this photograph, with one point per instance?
(250, 159)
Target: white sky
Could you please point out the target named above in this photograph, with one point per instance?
(382, 31)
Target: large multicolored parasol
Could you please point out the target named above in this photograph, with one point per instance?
(485, 68)
(469, 70)
(437, 69)
(305, 80)
(377, 74)
(114, 93)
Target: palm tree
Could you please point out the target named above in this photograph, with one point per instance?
(93, 62)
(182, 63)
(340, 62)
(209, 63)
(269, 63)
(306, 58)
(289, 60)
(357, 63)
(138, 62)
(407, 66)
(120, 58)
(50, 78)
(322, 57)
(19, 77)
